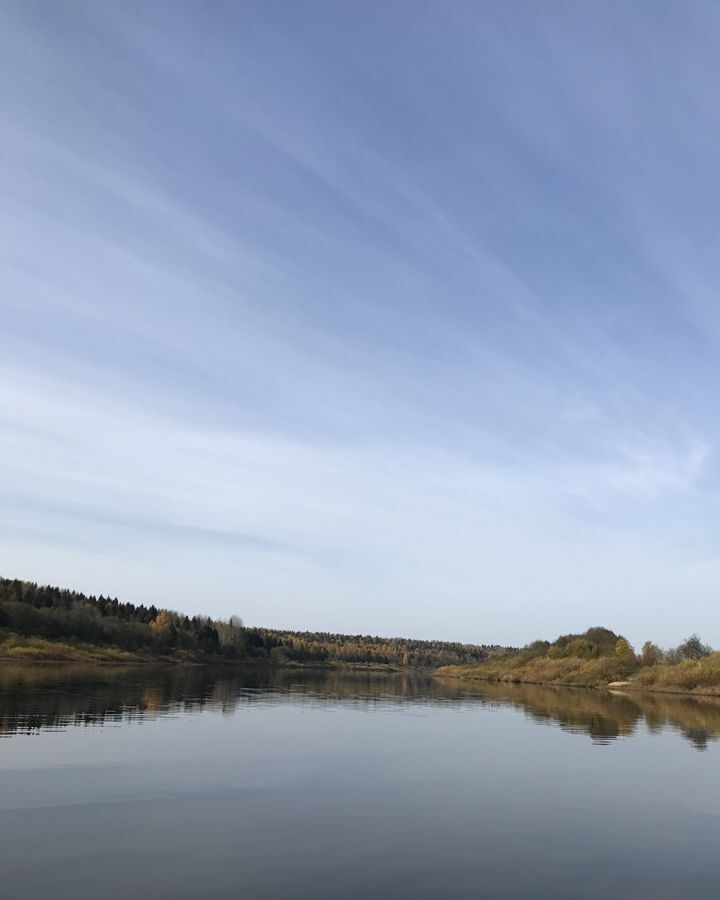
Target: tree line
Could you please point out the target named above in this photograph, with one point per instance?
(600, 656)
(602, 642)
(55, 614)
(321, 647)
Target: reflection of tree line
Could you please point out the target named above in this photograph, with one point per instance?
(604, 715)
(37, 698)
(34, 698)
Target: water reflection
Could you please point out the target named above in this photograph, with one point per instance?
(33, 699)
(608, 715)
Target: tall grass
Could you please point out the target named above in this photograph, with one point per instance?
(544, 670)
(700, 676)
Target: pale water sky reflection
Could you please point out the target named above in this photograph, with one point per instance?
(326, 785)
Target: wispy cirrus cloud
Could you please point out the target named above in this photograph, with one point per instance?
(394, 321)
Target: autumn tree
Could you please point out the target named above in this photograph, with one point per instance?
(651, 654)
(623, 649)
(164, 626)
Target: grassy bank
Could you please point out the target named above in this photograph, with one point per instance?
(572, 672)
(599, 658)
(15, 648)
(693, 676)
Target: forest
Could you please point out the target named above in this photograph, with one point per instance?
(43, 622)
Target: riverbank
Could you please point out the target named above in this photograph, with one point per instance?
(35, 650)
(32, 651)
(631, 687)
(42, 622)
(600, 658)
(700, 677)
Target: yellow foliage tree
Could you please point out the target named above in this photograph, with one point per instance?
(163, 623)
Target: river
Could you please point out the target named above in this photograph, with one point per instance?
(175, 784)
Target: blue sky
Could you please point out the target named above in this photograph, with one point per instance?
(384, 317)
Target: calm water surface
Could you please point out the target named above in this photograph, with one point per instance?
(191, 784)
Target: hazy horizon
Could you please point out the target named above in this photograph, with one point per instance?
(368, 318)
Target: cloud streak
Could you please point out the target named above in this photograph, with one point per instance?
(394, 322)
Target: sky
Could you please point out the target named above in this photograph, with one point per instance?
(396, 318)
